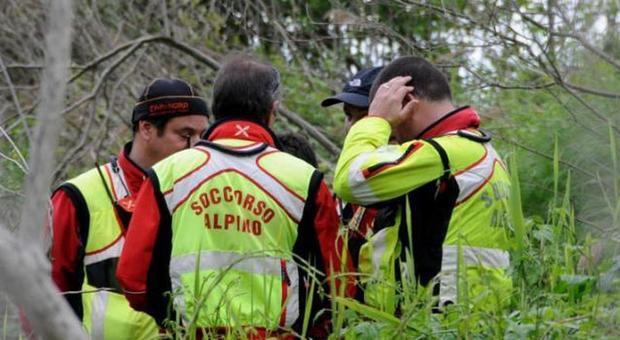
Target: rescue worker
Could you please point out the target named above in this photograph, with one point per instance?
(447, 186)
(91, 212)
(358, 220)
(233, 228)
(354, 96)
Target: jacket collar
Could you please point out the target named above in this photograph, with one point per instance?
(134, 174)
(238, 128)
(459, 119)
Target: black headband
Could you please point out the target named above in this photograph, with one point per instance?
(169, 106)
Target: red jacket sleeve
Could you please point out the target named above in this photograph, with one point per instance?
(137, 255)
(331, 244)
(65, 251)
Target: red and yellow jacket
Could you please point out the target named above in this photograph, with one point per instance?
(160, 230)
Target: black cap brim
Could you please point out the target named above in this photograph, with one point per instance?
(348, 98)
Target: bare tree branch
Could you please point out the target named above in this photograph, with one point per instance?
(102, 79)
(549, 157)
(594, 111)
(598, 52)
(592, 91)
(54, 80)
(18, 106)
(26, 280)
(213, 64)
(24, 267)
(24, 164)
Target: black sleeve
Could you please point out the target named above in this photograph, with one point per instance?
(307, 251)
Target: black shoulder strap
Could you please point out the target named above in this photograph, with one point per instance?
(81, 210)
(306, 250)
(484, 136)
(83, 217)
(444, 158)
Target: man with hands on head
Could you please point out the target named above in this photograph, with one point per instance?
(447, 187)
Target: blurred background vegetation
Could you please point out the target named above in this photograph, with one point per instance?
(544, 75)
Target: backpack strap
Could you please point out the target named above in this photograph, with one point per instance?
(443, 180)
(484, 136)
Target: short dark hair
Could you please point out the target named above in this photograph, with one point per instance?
(245, 87)
(298, 146)
(429, 82)
(158, 122)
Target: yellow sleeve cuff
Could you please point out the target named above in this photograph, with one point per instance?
(373, 130)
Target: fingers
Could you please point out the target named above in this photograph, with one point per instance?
(396, 87)
(411, 102)
(393, 84)
(402, 91)
(399, 81)
(388, 101)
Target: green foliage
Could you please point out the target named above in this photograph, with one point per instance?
(563, 145)
(552, 297)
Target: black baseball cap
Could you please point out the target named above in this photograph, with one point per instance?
(168, 97)
(356, 91)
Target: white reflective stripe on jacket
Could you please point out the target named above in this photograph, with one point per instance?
(113, 251)
(477, 175)
(218, 260)
(221, 162)
(472, 256)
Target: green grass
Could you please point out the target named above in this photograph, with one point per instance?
(553, 297)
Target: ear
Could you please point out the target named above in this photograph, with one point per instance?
(410, 105)
(146, 130)
(273, 113)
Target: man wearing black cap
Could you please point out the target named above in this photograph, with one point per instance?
(357, 219)
(354, 96)
(91, 212)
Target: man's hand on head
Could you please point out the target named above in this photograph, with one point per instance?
(389, 99)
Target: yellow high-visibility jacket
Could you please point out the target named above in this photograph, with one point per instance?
(449, 221)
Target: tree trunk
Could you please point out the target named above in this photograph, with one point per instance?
(25, 270)
(26, 281)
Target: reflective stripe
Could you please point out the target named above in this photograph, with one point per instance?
(485, 257)
(111, 252)
(378, 249)
(474, 178)
(183, 188)
(472, 256)
(221, 162)
(357, 182)
(211, 260)
(98, 312)
(292, 301)
(216, 260)
(119, 184)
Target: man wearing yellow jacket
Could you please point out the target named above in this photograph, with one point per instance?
(91, 212)
(234, 230)
(447, 188)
